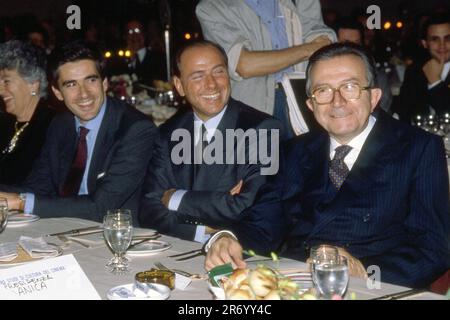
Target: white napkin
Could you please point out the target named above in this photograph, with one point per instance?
(37, 247)
(8, 251)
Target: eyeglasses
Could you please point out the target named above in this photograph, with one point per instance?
(135, 30)
(349, 91)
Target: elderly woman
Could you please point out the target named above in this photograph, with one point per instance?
(23, 89)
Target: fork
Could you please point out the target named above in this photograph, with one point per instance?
(67, 241)
(160, 266)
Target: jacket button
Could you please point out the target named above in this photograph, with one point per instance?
(366, 217)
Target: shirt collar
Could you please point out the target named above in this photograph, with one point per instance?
(211, 123)
(445, 70)
(141, 54)
(93, 124)
(357, 142)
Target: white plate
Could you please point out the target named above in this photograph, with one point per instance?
(19, 219)
(162, 294)
(149, 247)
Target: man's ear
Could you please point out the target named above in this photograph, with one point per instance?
(178, 86)
(57, 93)
(375, 96)
(310, 104)
(105, 84)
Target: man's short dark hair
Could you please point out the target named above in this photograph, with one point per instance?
(350, 23)
(73, 52)
(342, 49)
(198, 44)
(439, 18)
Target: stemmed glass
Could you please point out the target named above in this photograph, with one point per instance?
(331, 276)
(118, 231)
(323, 251)
(3, 213)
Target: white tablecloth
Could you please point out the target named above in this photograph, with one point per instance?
(93, 260)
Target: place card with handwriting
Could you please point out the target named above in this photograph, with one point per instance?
(59, 278)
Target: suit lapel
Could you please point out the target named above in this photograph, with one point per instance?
(105, 138)
(67, 149)
(184, 173)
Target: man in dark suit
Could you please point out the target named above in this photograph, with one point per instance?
(191, 198)
(426, 87)
(147, 63)
(370, 185)
(95, 155)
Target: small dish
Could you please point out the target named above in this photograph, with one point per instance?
(149, 247)
(131, 292)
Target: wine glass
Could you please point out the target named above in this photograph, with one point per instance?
(3, 213)
(331, 276)
(118, 231)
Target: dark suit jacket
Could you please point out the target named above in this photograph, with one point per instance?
(415, 97)
(16, 165)
(392, 210)
(208, 200)
(120, 158)
(152, 67)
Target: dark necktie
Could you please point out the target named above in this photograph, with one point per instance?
(73, 180)
(200, 148)
(338, 168)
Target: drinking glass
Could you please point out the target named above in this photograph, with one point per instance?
(323, 251)
(118, 231)
(3, 214)
(331, 276)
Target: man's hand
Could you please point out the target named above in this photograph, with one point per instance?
(318, 43)
(355, 267)
(13, 200)
(237, 188)
(225, 250)
(166, 197)
(433, 69)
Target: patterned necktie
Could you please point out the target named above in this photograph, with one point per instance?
(73, 180)
(338, 168)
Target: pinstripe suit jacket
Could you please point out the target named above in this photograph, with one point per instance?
(392, 210)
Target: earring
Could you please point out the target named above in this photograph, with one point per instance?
(33, 93)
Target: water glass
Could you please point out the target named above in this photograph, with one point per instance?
(331, 276)
(323, 251)
(118, 232)
(3, 213)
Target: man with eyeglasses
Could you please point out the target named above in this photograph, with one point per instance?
(147, 63)
(369, 184)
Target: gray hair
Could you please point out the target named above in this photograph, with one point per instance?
(27, 60)
(342, 49)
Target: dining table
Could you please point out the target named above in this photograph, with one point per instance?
(92, 253)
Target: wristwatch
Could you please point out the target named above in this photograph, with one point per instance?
(22, 198)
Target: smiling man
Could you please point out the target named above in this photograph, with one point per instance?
(426, 88)
(95, 156)
(369, 184)
(192, 199)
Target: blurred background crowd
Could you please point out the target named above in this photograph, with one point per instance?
(122, 28)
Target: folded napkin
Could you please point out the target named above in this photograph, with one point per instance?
(8, 251)
(37, 247)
